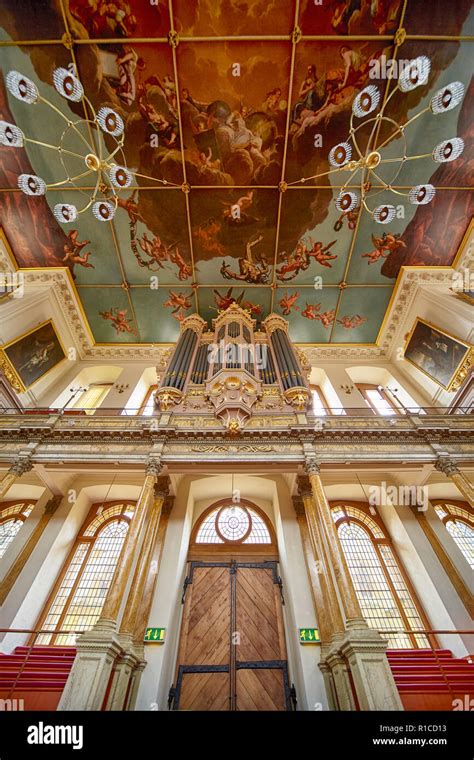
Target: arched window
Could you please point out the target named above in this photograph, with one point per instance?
(378, 399)
(77, 599)
(12, 517)
(386, 598)
(458, 519)
(148, 406)
(226, 525)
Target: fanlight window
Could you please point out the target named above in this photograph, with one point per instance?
(459, 522)
(379, 581)
(233, 524)
(79, 595)
(12, 518)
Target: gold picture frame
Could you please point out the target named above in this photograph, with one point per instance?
(21, 378)
(448, 378)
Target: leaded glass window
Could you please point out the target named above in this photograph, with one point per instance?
(78, 598)
(12, 518)
(383, 591)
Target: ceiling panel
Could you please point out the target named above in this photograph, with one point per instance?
(229, 119)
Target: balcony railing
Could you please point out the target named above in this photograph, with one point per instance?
(418, 411)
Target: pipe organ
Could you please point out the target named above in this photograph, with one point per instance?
(233, 369)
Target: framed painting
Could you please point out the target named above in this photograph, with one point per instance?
(436, 353)
(30, 357)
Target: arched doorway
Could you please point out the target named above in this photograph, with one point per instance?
(232, 652)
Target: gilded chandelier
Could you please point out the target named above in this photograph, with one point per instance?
(98, 162)
(348, 156)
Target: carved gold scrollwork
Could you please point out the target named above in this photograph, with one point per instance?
(10, 374)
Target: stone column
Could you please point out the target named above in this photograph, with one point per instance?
(322, 583)
(99, 649)
(326, 605)
(359, 665)
(10, 578)
(129, 662)
(19, 467)
(451, 470)
(143, 614)
(335, 552)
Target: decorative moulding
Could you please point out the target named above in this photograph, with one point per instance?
(410, 279)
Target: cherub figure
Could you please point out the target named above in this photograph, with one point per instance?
(351, 322)
(310, 310)
(321, 254)
(119, 320)
(288, 302)
(72, 251)
(178, 301)
(383, 246)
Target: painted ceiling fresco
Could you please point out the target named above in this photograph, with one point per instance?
(234, 110)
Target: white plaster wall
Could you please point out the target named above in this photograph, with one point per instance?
(36, 580)
(440, 602)
(272, 496)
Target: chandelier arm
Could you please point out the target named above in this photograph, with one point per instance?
(155, 179)
(70, 123)
(382, 182)
(315, 176)
(378, 120)
(397, 192)
(402, 127)
(53, 147)
(421, 155)
(352, 136)
(111, 155)
(69, 179)
(349, 178)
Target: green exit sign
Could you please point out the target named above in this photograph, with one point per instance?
(309, 636)
(155, 635)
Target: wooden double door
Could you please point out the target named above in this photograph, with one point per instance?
(232, 653)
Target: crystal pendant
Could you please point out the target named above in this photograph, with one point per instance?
(414, 74)
(103, 211)
(120, 177)
(67, 84)
(366, 101)
(21, 87)
(10, 135)
(447, 97)
(110, 122)
(420, 195)
(30, 184)
(65, 212)
(384, 214)
(448, 150)
(340, 154)
(346, 201)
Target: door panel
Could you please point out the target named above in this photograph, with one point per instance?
(257, 613)
(208, 608)
(204, 691)
(218, 670)
(261, 689)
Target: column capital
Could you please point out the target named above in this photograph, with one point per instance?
(21, 465)
(153, 466)
(51, 506)
(162, 487)
(304, 486)
(447, 466)
(311, 465)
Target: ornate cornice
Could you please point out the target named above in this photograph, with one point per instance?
(446, 466)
